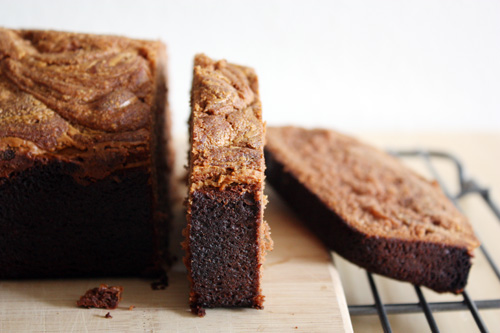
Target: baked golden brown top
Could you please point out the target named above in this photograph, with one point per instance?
(370, 190)
(227, 131)
(76, 96)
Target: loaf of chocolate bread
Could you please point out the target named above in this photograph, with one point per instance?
(226, 237)
(84, 154)
(371, 209)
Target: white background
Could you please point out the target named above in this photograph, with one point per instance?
(351, 65)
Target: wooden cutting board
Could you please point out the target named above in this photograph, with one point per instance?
(302, 288)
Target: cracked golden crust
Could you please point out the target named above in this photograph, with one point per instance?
(370, 190)
(227, 131)
(77, 96)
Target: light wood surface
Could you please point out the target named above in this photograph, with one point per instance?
(302, 289)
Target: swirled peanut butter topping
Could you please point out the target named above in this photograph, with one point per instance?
(63, 91)
(226, 124)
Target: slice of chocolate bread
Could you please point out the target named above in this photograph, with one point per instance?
(84, 154)
(226, 237)
(370, 208)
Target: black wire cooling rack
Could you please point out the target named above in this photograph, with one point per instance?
(467, 186)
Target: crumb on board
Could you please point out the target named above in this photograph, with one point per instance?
(198, 310)
(130, 308)
(102, 297)
(108, 316)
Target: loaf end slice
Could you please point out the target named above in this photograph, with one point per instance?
(371, 209)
